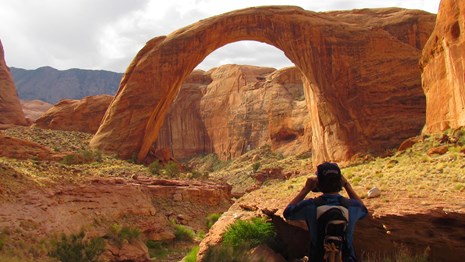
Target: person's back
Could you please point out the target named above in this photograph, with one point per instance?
(330, 217)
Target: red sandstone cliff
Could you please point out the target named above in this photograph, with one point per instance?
(232, 109)
(10, 107)
(443, 67)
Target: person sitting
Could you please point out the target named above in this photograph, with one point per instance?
(330, 217)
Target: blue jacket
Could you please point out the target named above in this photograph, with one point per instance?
(307, 210)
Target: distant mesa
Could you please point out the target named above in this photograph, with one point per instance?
(362, 84)
(51, 85)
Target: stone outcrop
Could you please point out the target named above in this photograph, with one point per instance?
(443, 67)
(95, 205)
(82, 115)
(10, 107)
(361, 76)
(33, 109)
(22, 149)
(234, 108)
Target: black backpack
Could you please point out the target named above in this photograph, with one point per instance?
(332, 220)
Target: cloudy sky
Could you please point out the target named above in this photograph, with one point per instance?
(107, 34)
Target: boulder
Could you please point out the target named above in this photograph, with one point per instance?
(443, 66)
(11, 112)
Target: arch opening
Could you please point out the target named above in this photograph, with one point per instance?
(232, 108)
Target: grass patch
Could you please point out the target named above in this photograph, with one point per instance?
(192, 255)
(211, 219)
(250, 233)
(183, 233)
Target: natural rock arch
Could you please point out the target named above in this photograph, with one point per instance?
(346, 59)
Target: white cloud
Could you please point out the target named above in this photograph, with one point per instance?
(106, 34)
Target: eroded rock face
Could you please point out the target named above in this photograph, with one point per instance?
(234, 108)
(96, 204)
(82, 115)
(10, 107)
(362, 82)
(22, 149)
(443, 67)
(33, 109)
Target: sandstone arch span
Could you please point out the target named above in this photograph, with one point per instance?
(360, 71)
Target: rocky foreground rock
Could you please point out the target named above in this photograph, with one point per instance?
(362, 82)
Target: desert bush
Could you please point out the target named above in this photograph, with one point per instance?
(183, 233)
(256, 166)
(211, 219)
(226, 253)
(75, 248)
(192, 255)
(157, 249)
(118, 234)
(155, 167)
(252, 233)
(171, 169)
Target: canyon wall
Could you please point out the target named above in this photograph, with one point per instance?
(443, 67)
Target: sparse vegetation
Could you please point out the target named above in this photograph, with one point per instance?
(251, 233)
(192, 255)
(211, 219)
(183, 233)
(75, 248)
(119, 234)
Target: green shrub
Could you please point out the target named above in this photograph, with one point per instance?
(251, 233)
(118, 234)
(157, 249)
(183, 233)
(75, 249)
(211, 219)
(171, 169)
(256, 166)
(71, 159)
(226, 253)
(155, 167)
(192, 255)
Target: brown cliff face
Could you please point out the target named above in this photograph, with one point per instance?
(183, 131)
(10, 107)
(443, 67)
(82, 115)
(232, 109)
(361, 76)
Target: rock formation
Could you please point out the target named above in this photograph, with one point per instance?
(10, 107)
(362, 82)
(232, 109)
(443, 67)
(22, 149)
(33, 109)
(76, 115)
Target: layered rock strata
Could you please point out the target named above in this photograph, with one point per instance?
(443, 69)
